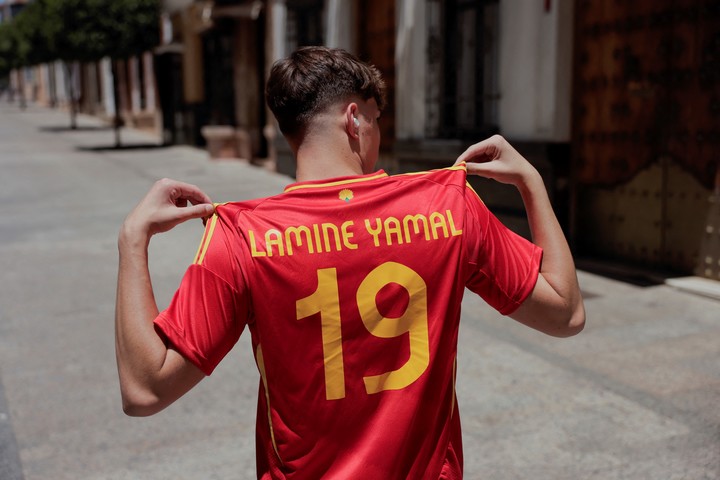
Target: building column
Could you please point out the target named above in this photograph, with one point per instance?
(42, 85)
(340, 27)
(277, 20)
(60, 86)
(149, 82)
(192, 65)
(52, 85)
(134, 83)
(106, 82)
(122, 88)
(410, 61)
(279, 154)
(90, 88)
(535, 70)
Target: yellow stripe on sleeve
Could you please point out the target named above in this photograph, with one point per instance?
(200, 246)
(202, 249)
(261, 366)
(454, 378)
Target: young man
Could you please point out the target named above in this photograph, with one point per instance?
(350, 283)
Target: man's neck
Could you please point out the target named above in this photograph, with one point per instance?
(320, 163)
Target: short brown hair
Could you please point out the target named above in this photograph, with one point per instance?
(312, 79)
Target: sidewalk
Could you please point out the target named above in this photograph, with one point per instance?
(635, 396)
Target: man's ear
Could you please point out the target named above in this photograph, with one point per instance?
(352, 123)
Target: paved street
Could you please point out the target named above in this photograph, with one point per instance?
(635, 396)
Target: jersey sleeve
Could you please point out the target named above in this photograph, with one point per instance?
(209, 310)
(504, 266)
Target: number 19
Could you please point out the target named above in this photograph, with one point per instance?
(414, 321)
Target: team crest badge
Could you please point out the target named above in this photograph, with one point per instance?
(346, 195)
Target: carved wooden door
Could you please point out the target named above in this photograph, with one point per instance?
(646, 128)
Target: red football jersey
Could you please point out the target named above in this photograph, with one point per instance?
(351, 289)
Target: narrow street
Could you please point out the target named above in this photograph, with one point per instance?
(635, 396)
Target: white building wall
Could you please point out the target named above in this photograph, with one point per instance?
(411, 66)
(149, 81)
(278, 12)
(340, 24)
(134, 80)
(535, 70)
(60, 83)
(106, 81)
(44, 79)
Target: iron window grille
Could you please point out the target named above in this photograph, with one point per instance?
(304, 24)
(463, 62)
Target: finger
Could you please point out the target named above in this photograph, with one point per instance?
(480, 152)
(487, 169)
(468, 155)
(198, 199)
(188, 192)
(475, 168)
(195, 211)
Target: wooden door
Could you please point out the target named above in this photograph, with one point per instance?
(646, 128)
(376, 44)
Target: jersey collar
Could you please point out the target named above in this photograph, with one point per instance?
(332, 182)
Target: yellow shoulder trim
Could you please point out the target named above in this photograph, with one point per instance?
(205, 242)
(334, 184)
(470, 187)
(459, 166)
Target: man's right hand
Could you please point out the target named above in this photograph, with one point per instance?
(167, 204)
(152, 374)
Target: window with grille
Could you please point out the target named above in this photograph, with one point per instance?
(304, 24)
(462, 89)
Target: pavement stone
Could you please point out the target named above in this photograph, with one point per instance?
(634, 396)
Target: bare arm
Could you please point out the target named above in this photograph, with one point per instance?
(152, 376)
(555, 306)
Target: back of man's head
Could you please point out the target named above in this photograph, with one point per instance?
(312, 79)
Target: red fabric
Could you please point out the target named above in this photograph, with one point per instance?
(505, 265)
(316, 420)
